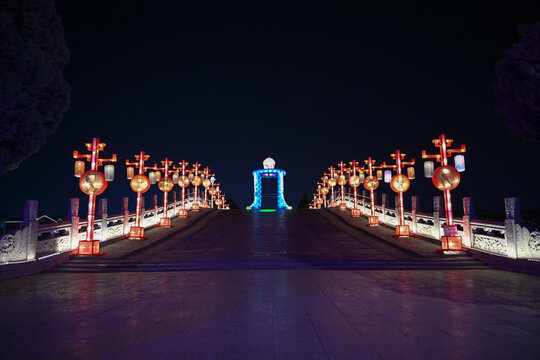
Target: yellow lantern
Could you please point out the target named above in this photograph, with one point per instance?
(354, 181)
(196, 181)
(130, 172)
(79, 168)
(175, 177)
(400, 183)
(206, 183)
(165, 184)
(410, 172)
(324, 190)
(379, 175)
(212, 191)
(158, 175)
(183, 181)
(341, 180)
(152, 177)
(332, 182)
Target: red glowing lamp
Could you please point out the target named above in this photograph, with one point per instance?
(92, 183)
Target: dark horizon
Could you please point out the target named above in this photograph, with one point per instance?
(309, 87)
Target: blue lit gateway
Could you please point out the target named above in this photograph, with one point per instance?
(268, 172)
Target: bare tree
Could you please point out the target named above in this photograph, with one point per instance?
(33, 92)
(518, 84)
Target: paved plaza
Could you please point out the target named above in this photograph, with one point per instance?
(284, 285)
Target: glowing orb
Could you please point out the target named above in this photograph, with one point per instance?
(269, 163)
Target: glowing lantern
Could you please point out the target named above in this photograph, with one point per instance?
(354, 181)
(165, 184)
(379, 175)
(371, 183)
(320, 201)
(183, 181)
(400, 183)
(361, 176)
(428, 169)
(175, 177)
(212, 179)
(342, 180)
(446, 178)
(459, 163)
(324, 190)
(196, 181)
(410, 172)
(130, 172)
(158, 175)
(212, 191)
(206, 183)
(79, 168)
(387, 176)
(140, 183)
(109, 172)
(332, 182)
(152, 177)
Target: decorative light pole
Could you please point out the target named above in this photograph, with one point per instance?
(399, 184)
(183, 182)
(212, 191)
(165, 184)
(354, 182)
(371, 183)
(206, 183)
(331, 183)
(446, 178)
(92, 183)
(342, 180)
(324, 189)
(139, 183)
(196, 181)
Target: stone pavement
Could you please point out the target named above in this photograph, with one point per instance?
(250, 285)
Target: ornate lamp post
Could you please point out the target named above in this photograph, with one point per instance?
(212, 191)
(324, 189)
(183, 182)
(165, 184)
(196, 181)
(206, 183)
(399, 184)
(139, 183)
(342, 180)
(354, 182)
(92, 183)
(446, 178)
(331, 183)
(371, 183)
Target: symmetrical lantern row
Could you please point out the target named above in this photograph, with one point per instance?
(445, 178)
(93, 183)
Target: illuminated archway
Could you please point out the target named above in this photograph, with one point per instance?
(268, 172)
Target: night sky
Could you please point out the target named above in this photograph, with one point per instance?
(309, 86)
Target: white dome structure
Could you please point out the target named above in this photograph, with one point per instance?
(269, 163)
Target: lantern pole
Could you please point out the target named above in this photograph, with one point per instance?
(373, 220)
(399, 184)
(451, 241)
(137, 231)
(332, 183)
(183, 182)
(196, 182)
(342, 205)
(354, 182)
(91, 246)
(164, 185)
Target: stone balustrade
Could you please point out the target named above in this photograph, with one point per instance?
(511, 238)
(32, 241)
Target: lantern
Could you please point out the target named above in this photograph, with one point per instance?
(324, 190)
(130, 172)
(379, 175)
(428, 169)
(387, 176)
(190, 176)
(175, 177)
(158, 175)
(361, 176)
(212, 179)
(203, 176)
(109, 172)
(459, 163)
(79, 168)
(410, 172)
(152, 177)
(206, 183)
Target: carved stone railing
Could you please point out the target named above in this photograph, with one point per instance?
(510, 238)
(32, 240)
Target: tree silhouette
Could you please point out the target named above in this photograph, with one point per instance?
(33, 92)
(304, 202)
(232, 203)
(518, 84)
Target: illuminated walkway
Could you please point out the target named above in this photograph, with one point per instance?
(286, 285)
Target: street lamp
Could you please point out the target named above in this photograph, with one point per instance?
(446, 178)
(92, 183)
(342, 180)
(371, 183)
(206, 183)
(196, 181)
(165, 184)
(354, 182)
(400, 183)
(139, 183)
(183, 182)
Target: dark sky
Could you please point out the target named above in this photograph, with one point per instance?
(229, 85)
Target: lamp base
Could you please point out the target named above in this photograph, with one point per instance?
(89, 247)
(343, 206)
(373, 220)
(451, 243)
(195, 207)
(402, 231)
(204, 205)
(356, 213)
(333, 204)
(136, 232)
(165, 222)
(183, 213)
